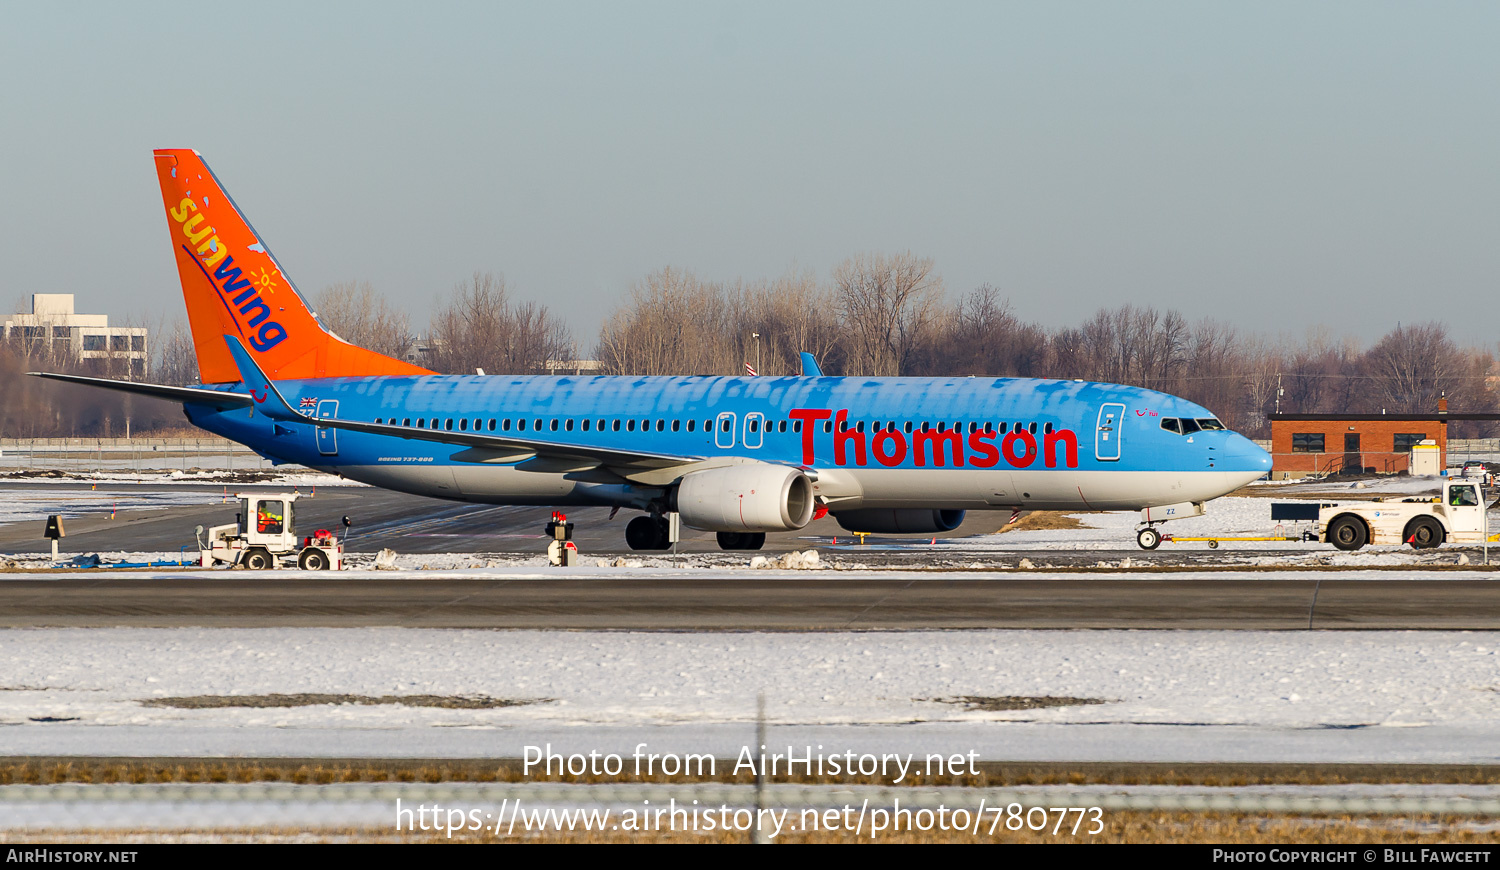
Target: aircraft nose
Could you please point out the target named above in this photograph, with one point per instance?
(1241, 455)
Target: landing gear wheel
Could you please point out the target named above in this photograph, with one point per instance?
(257, 560)
(646, 533)
(1423, 533)
(741, 540)
(313, 560)
(1348, 533)
(1148, 538)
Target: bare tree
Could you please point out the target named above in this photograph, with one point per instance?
(888, 305)
(482, 328)
(1412, 365)
(174, 359)
(353, 311)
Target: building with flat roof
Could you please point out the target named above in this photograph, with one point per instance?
(52, 327)
(1305, 445)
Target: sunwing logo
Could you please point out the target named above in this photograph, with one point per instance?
(242, 298)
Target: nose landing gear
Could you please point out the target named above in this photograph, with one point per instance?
(1149, 538)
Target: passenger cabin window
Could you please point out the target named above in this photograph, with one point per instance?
(1307, 442)
(629, 425)
(616, 426)
(692, 424)
(463, 425)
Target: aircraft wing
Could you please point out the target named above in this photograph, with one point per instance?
(269, 401)
(196, 395)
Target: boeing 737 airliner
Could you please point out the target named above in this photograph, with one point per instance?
(740, 456)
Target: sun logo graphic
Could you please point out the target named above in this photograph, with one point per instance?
(265, 282)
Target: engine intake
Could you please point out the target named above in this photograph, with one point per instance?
(746, 498)
(905, 521)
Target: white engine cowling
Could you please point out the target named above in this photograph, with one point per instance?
(900, 522)
(746, 498)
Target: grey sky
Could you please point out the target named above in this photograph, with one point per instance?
(1269, 164)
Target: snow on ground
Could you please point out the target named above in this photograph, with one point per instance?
(291, 476)
(1180, 695)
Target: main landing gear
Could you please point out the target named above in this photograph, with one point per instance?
(652, 533)
(741, 540)
(647, 533)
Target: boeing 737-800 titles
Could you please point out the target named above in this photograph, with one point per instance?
(740, 456)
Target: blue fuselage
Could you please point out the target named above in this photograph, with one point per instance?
(882, 442)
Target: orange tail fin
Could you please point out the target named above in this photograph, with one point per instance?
(233, 286)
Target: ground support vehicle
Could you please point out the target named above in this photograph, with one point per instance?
(264, 536)
(1457, 517)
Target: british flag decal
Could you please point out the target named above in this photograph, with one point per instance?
(310, 403)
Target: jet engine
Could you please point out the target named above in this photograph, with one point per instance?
(905, 521)
(746, 498)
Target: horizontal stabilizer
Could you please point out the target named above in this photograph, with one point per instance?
(193, 395)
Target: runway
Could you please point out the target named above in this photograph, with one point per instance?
(650, 599)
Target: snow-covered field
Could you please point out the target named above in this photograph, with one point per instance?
(294, 475)
(1183, 695)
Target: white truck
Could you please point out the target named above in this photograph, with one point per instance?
(1458, 517)
(264, 535)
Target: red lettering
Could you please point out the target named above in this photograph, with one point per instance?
(891, 436)
(1028, 448)
(953, 438)
(985, 454)
(1069, 442)
(842, 432)
(808, 416)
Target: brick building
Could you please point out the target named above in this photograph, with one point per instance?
(1303, 444)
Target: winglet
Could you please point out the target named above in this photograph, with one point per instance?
(268, 399)
(810, 366)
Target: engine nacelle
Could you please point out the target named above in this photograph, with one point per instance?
(905, 521)
(746, 498)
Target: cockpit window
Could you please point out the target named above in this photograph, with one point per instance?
(1209, 424)
(1189, 425)
(1170, 424)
